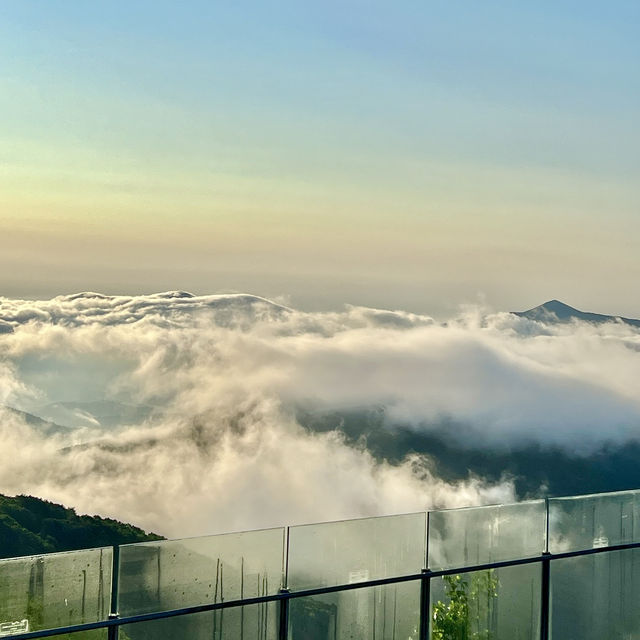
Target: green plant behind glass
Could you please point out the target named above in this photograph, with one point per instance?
(470, 609)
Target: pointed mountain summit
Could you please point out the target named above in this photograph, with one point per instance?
(555, 311)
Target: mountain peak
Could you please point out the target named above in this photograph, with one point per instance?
(556, 303)
(559, 308)
(558, 311)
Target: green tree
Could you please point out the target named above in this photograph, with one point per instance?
(468, 612)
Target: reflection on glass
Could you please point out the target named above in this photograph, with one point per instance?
(596, 597)
(487, 605)
(586, 522)
(466, 537)
(159, 576)
(351, 551)
(252, 622)
(55, 590)
(390, 612)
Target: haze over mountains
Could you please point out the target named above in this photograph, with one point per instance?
(192, 414)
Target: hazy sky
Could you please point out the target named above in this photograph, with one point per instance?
(411, 154)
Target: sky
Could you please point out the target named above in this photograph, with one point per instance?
(411, 155)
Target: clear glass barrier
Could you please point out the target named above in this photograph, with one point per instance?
(465, 537)
(54, 590)
(159, 576)
(252, 622)
(388, 612)
(601, 520)
(592, 597)
(596, 597)
(351, 551)
(499, 603)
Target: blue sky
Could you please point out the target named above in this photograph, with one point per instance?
(414, 154)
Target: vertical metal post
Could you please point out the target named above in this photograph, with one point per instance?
(242, 597)
(546, 581)
(283, 629)
(283, 625)
(546, 522)
(113, 632)
(544, 597)
(425, 604)
(425, 588)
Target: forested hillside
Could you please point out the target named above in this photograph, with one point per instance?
(30, 526)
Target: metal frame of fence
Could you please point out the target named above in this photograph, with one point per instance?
(284, 596)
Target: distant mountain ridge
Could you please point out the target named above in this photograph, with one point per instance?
(95, 413)
(535, 469)
(556, 311)
(41, 425)
(227, 310)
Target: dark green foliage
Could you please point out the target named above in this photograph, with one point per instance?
(15, 540)
(451, 619)
(30, 526)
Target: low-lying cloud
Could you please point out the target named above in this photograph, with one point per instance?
(220, 447)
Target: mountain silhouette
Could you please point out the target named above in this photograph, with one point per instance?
(556, 311)
(41, 425)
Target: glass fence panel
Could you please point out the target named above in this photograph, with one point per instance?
(159, 576)
(464, 537)
(499, 604)
(351, 551)
(55, 590)
(389, 612)
(596, 597)
(586, 522)
(252, 622)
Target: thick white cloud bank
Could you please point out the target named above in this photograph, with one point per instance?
(219, 447)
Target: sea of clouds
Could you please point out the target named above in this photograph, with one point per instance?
(218, 446)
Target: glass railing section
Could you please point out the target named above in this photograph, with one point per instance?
(388, 612)
(595, 597)
(55, 590)
(248, 622)
(497, 603)
(166, 575)
(600, 520)
(592, 589)
(480, 535)
(350, 552)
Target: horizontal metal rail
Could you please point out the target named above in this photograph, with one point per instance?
(304, 593)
